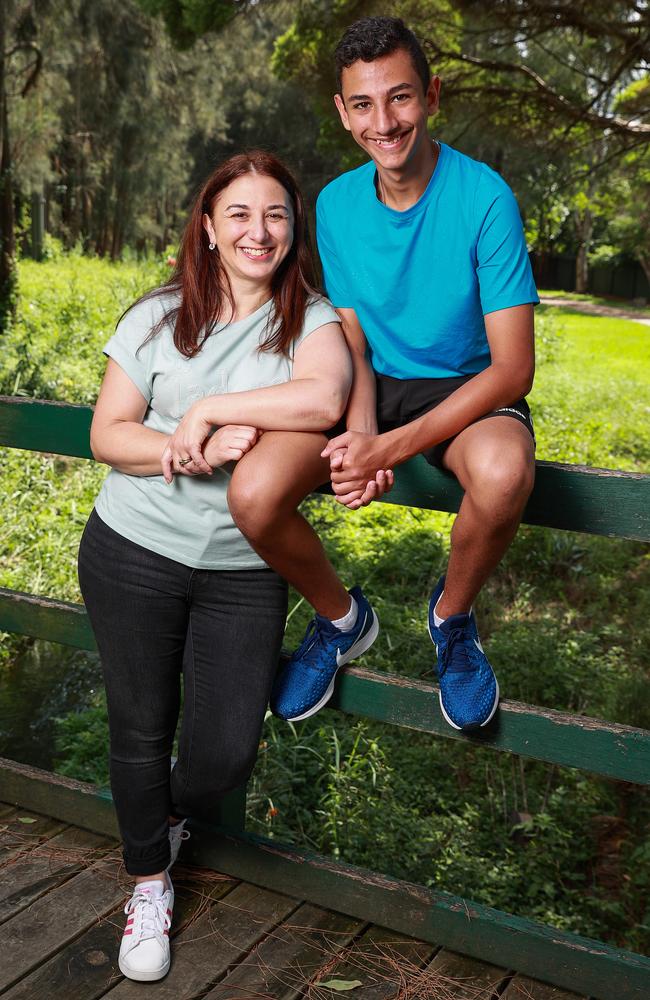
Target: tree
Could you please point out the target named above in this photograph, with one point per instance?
(20, 65)
(629, 208)
(559, 59)
(189, 20)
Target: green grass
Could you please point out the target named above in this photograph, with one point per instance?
(590, 400)
(565, 619)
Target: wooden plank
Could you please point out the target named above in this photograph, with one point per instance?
(87, 967)
(567, 960)
(54, 861)
(37, 933)
(46, 618)
(592, 501)
(43, 425)
(388, 965)
(522, 988)
(463, 978)
(204, 951)
(287, 960)
(21, 831)
(573, 497)
(593, 745)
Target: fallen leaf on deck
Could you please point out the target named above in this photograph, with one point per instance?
(340, 984)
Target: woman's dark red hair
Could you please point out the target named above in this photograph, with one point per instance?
(202, 283)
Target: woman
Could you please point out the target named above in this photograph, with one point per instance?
(169, 581)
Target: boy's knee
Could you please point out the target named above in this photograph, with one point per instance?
(255, 503)
(503, 478)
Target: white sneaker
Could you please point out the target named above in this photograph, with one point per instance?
(144, 952)
(177, 834)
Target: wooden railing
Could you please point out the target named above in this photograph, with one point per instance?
(597, 501)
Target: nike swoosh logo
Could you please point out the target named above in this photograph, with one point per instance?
(477, 643)
(338, 651)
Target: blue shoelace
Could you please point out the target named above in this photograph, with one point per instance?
(455, 655)
(315, 634)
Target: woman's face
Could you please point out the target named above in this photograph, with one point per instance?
(252, 227)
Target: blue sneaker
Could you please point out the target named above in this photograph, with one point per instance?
(469, 692)
(306, 683)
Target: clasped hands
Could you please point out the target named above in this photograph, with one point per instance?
(192, 440)
(358, 468)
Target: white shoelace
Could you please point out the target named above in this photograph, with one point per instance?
(151, 917)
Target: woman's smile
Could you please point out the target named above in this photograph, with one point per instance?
(251, 226)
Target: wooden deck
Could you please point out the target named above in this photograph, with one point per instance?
(62, 890)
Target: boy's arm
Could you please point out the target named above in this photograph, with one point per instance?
(361, 414)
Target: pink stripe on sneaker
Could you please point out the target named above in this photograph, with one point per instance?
(127, 932)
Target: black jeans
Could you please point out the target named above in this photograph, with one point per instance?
(154, 619)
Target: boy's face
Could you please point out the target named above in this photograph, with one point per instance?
(386, 109)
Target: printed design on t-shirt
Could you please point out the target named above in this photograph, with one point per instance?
(175, 392)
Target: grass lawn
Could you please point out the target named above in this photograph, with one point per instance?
(590, 400)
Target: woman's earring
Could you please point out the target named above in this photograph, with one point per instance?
(211, 246)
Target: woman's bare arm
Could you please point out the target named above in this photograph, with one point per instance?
(117, 435)
(313, 400)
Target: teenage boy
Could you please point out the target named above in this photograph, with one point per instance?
(424, 258)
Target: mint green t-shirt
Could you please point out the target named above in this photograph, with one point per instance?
(189, 520)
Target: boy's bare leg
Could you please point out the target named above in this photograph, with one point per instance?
(494, 461)
(266, 487)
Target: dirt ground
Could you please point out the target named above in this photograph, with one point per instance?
(595, 309)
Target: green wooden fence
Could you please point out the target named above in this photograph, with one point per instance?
(597, 501)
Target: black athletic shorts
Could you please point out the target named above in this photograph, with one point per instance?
(399, 401)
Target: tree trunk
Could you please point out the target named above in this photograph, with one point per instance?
(644, 261)
(584, 230)
(7, 220)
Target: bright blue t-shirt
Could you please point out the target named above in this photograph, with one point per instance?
(421, 281)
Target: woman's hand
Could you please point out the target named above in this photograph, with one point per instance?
(229, 444)
(183, 453)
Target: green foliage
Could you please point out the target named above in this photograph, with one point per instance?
(67, 312)
(82, 744)
(187, 20)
